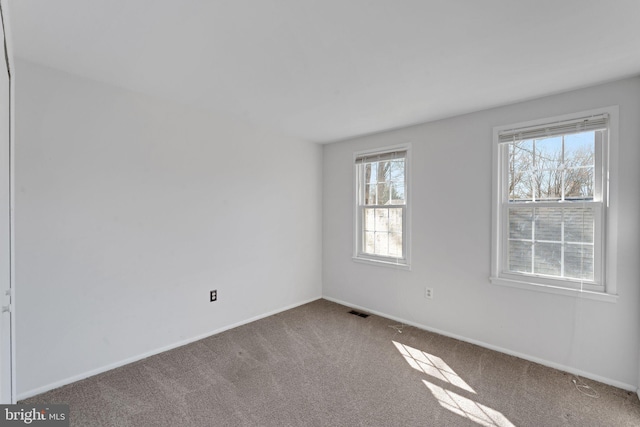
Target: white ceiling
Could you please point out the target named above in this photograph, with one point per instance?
(326, 70)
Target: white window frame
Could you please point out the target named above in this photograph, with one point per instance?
(603, 286)
(358, 254)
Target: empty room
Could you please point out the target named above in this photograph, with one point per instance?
(320, 213)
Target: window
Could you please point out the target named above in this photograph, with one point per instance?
(550, 197)
(381, 215)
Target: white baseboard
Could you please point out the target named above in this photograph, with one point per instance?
(544, 362)
(45, 388)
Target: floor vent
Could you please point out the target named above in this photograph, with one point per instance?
(357, 313)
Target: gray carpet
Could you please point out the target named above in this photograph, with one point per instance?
(318, 365)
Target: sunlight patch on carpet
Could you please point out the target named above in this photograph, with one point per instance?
(437, 368)
(431, 365)
(467, 408)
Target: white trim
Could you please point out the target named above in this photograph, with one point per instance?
(544, 362)
(610, 229)
(60, 383)
(381, 263)
(577, 293)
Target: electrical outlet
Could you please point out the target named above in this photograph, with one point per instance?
(428, 293)
(213, 295)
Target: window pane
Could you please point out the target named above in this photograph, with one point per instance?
(382, 219)
(395, 220)
(578, 261)
(579, 183)
(520, 257)
(548, 257)
(396, 176)
(579, 162)
(579, 224)
(548, 224)
(370, 184)
(548, 184)
(521, 154)
(370, 173)
(395, 244)
(397, 171)
(382, 244)
(369, 242)
(548, 153)
(520, 185)
(397, 193)
(520, 165)
(370, 194)
(369, 219)
(520, 223)
(579, 149)
(547, 163)
(384, 171)
(383, 194)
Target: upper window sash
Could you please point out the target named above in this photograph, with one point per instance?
(562, 168)
(388, 185)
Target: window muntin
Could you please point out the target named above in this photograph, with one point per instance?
(551, 203)
(381, 206)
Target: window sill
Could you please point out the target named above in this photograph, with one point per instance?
(381, 263)
(598, 296)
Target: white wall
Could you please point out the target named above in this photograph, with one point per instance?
(130, 209)
(451, 176)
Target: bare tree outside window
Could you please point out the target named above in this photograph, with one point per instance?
(559, 168)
